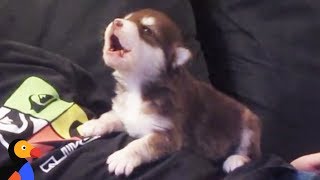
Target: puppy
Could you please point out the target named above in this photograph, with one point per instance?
(162, 105)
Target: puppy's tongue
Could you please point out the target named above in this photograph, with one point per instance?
(116, 46)
(121, 53)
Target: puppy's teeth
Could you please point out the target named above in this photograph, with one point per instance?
(121, 52)
(111, 49)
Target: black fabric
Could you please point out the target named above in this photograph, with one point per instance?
(270, 167)
(89, 162)
(266, 54)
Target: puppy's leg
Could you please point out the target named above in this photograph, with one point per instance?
(145, 149)
(107, 123)
(249, 143)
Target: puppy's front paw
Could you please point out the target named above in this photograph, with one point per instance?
(234, 162)
(92, 128)
(123, 162)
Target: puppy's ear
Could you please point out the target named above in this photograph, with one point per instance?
(182, 55)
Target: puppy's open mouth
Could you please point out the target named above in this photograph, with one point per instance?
(116, 47)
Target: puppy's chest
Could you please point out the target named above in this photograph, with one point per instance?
(133, 113)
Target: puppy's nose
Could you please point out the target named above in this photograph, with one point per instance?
(118, 23)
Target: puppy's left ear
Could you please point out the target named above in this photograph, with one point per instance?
(182, 55)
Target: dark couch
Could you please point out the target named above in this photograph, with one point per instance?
(264, 53)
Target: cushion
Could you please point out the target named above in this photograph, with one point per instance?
(266, 54)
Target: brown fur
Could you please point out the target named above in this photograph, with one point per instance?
(164, 33)
(206, 121)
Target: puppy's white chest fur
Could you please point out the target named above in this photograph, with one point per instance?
(129, 107)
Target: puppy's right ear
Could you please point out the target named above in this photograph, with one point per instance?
(182, 55)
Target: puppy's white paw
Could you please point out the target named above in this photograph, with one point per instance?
(234, 161)
(92, 128)
(123, 162)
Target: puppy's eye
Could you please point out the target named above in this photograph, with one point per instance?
(147, 30)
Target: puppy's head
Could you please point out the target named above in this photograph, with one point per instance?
(145, 40)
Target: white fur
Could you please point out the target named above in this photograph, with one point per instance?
(125, 160)
(107, 123)
(245, 141)
(233, 162)
(241, 156)
(137, 123)
(182, 56)
(151, 59)
(148, 21)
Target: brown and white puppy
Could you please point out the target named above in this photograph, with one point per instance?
(162, 105)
